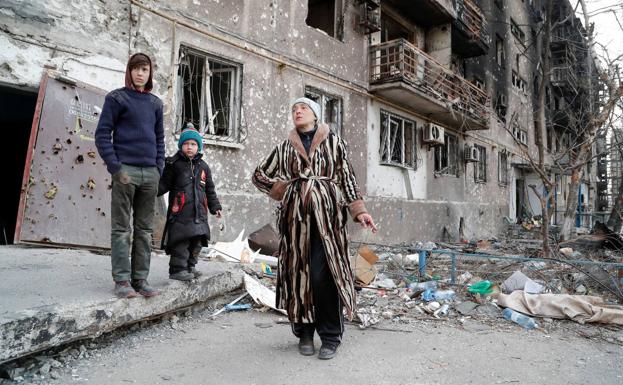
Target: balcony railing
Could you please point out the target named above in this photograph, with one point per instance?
(400, 61)
(473, 19)
(563, 76)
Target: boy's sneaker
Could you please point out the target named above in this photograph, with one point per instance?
(327, 351)
(196, 273)
(143, 288)
(182, 276)
(124, 290)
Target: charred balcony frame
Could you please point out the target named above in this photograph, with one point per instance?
(563, 75)
(405, 74)
(470, 36)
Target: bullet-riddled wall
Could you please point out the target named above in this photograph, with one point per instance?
(277, 54)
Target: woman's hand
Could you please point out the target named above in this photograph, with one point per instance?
(219, 214)
(366, 221)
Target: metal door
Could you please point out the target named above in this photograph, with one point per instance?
(65, 196)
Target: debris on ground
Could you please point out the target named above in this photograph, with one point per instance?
(466, 280)
(457, 282)
(238, 251)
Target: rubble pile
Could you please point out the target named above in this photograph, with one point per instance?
(483, 279)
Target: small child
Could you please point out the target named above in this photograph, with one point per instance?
(188, 180)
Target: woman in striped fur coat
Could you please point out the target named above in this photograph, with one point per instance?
(310, 174)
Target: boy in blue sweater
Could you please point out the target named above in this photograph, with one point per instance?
(130, 140)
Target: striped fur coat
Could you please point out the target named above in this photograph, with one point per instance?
(323, 185)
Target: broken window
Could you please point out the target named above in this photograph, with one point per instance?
(209, 95)
(480, 167)
(326, 15)
(500, 55)
(516, 30)
(330, 108)
(548, 134)
(398, 140)
(393, 28)
(520, 134)
(501, 106)
(446, 160)
(518, 83)
(503, 168)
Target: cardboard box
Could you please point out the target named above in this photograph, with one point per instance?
(363, 266)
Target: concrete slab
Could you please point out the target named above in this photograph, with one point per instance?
(53, 296)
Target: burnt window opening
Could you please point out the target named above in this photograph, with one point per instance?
(392, 28)
(503, 168)
(548, 134)
(548, 98)
(480, 167)
(479, 83)
(330, 108)
(446, 157)
(209, 90)
(501, 106)
(398, 141)
(517, 31)
(327, 16)
(518, 83)
(500, 52)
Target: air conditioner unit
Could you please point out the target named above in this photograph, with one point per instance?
(472, 154)
(433, 134)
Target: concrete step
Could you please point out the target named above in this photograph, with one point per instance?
(49, 297)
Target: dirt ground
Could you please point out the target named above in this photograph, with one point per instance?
(256, 347)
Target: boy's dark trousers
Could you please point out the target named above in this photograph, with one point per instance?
(327, 304)
(184, 254)
(133, 199)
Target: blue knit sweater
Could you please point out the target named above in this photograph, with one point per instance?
(130, 130)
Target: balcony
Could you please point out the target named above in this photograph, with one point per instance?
(563, 119)
(564, 77)
(469, 30)
(406, 75)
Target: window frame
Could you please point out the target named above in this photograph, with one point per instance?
(518, 82)
(338, 20)
(480, 167)
(517, 31)
(314, 94)
(387, 146)
(503, 168)
(234, 133)
(445, 154)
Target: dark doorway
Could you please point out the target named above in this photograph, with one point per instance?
(520, 199)
(16, 114)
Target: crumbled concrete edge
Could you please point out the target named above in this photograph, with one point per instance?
(43, 328)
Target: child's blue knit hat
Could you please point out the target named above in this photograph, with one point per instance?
(190, 133)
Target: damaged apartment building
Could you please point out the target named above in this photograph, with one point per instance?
(435, 99)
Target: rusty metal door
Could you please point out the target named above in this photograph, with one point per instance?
(65, 198)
